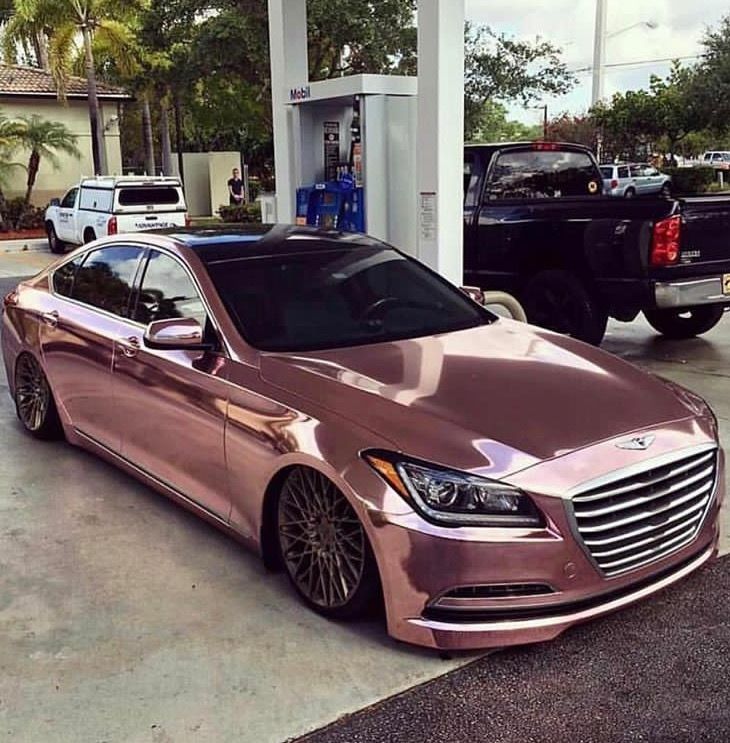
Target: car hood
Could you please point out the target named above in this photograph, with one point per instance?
(499, 397)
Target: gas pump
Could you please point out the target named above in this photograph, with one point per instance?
(337, 203)
(355, 155)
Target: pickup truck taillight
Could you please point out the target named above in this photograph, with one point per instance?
(111, 226)
(665, 241)
(545, 146)
(614, 183)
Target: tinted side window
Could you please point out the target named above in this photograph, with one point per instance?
(70, 199)
(623, 172)
(167, 291)
(542, 174)
(105, 279)
(63, 277)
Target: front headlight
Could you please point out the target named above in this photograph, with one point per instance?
(452, 497)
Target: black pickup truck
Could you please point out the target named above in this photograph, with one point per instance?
(537, 225)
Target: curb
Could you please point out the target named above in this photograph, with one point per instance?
(34, 245)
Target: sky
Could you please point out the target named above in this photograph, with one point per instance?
(570, 24)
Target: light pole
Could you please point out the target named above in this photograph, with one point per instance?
(599, 47)
(599, 51)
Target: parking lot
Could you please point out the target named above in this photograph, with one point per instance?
(124, 618)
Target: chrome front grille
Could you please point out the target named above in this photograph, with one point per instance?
(640, 516)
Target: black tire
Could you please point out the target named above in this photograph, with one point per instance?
(666, 190)
(319, 533)
(89, 235)
(34, 403)
(685, 322)
(630, 193)
(55, 245)
(559, 301)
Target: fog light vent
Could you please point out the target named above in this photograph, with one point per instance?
(499, 591)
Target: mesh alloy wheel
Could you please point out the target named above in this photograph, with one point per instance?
(33, 399)
(323, 546)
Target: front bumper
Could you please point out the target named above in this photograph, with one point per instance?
(422, 564)
(690, 292)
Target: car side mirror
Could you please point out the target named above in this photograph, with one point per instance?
(474, 292)
(55, 202)
(178, 333)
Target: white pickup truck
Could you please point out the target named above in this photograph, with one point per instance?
(109, 205)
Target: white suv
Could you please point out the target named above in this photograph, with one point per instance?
(114, 204)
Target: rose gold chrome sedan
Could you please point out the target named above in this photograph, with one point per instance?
(369, 428)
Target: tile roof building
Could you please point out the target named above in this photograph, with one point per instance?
(30, 90)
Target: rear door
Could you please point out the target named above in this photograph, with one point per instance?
(66, 229)
(641, 182)
(149, 207)
(90, 312)
(655, 179)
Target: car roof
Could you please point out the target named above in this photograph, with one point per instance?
(256, 240)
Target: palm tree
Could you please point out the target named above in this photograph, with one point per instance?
(9, 141)
(63, 23)
(44, 139)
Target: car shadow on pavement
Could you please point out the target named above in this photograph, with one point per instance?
(655, 672)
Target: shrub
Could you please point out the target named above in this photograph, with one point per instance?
(240, 213)
(17, 216)
(691, 180)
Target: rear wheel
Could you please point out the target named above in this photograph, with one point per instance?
(324, 548)
(54, 244)
(666, 190)
(34, 401)
(685, 322)
(630, 193)
(559, 301)
(89, 235)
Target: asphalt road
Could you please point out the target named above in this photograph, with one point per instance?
(658, 672)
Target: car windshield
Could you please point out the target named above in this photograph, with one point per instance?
(336, 297)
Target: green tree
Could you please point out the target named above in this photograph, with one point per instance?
(44, 139)
(492, 125)
(500, 69)
(9, 142)
(711, 93)
(636, 120)
(62, 23)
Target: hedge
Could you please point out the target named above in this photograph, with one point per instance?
(691, 180)
(240, 212)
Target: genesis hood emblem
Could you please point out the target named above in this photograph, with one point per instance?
(638, 442)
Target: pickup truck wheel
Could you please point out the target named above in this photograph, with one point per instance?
(89, 235)
(55, 245)
(685, 322)
(559, 301)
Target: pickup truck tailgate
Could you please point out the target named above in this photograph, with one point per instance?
(705, 241)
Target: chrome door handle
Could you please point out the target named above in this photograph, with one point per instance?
(50, 318)
(129, 345)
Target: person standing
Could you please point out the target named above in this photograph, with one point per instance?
(235, 188)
